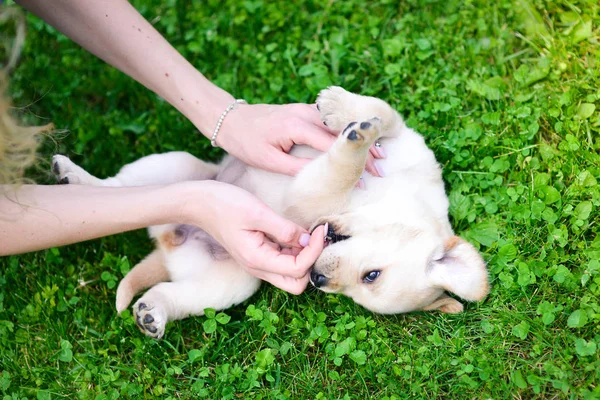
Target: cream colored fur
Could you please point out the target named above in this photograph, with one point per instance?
(398, 226)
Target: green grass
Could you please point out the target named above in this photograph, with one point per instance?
(506, 94)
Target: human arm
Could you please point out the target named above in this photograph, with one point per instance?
(260, 135)
(36, 217)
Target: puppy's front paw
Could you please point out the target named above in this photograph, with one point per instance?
(150, 317)
(333, 107)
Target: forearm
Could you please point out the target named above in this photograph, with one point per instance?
(114, 31)
(36, 217)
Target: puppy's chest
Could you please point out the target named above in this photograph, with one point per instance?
(398, 200)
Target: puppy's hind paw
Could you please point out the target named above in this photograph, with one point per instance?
(67, 172)
(150, 318)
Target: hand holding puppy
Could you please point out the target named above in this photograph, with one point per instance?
(251, 233)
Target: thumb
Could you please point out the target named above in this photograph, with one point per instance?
(280, 229)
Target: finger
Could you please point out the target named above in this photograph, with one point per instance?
(375, 152)
(276, 262)
(273, 245)
(290, 285)
(291, 250)
(281, 230)
(315, 138)
(370, 166)
(286, 164)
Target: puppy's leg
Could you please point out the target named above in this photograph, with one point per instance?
(323, 187)
(150, 271)
(219, 288)
(155, 169)
(339, 107)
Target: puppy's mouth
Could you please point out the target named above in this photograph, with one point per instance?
(332, 237)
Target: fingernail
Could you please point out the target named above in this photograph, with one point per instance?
(304, 239)
(379, 168)
(381, 152)
(325, 230)
(361, 183)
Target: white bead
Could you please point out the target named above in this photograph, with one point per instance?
(213, 139)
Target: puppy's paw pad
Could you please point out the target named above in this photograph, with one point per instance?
(363, 132)
(150, 319)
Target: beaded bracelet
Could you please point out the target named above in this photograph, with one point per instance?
(213, 139)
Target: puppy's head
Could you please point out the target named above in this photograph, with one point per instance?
(395, 269)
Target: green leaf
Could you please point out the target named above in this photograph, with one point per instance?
(194, 354)
(548, 318)
(43, 395)
(264, 358)
(487, 326)
(210, 325)
(435, 338)
(358, 356)
(531, 20)
(491, 89)
(586, 179)
(583, 210)
(582, 31)
(529, 75)
(585, 110)
(584, 348)
(106, 276)
(345, 347)
(518, 379)
(393, 47)
(577, 319)
(4, 381)
(65, 354)
(550, 194)
(222, 318)
(526, 277)
(254, 313)
(209, 313)
(485, 233)
(562, 273)
(521, 330)
(507, 253)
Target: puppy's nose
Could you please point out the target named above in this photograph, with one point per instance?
(317, 279)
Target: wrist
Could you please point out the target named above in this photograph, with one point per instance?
(201, 101)
(188, 202)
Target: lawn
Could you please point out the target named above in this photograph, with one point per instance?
(505, 92)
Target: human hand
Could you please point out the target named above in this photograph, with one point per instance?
(251, 233)
(262, 135)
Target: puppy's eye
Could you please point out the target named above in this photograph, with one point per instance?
(370, 276)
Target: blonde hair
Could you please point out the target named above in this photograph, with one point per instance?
(18, 144)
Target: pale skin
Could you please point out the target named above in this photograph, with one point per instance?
(37, 217)
(114, 31)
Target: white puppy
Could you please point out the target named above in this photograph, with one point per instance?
(391, 247)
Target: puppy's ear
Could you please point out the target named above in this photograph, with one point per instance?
(460, 270)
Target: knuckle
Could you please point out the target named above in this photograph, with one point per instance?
(287, 233)
(259, 214)
(296, 289)
(299, 272)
